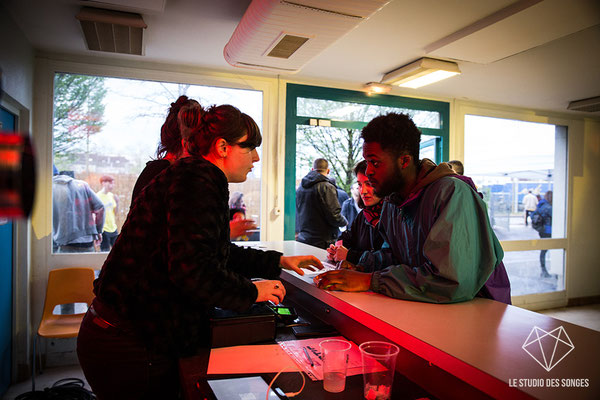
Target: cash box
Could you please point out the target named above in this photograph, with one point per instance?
(229, 328)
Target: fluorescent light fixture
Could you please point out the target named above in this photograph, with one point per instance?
(376, 87)
(422, 72)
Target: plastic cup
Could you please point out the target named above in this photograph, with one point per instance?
(335, 364)
(379, 364)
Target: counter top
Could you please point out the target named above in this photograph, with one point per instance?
(479, 341)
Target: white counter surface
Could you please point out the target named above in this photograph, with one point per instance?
(478, 341)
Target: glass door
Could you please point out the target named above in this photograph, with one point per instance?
(326, 123)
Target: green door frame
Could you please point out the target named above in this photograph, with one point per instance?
(295, 91)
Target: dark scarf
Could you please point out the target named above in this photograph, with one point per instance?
(372, 213)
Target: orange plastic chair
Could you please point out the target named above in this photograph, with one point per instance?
(65, 286)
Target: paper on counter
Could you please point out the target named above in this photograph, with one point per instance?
(295, 349)
(249, 360)
(327, 266)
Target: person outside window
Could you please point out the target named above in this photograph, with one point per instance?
(77, 215)
(111, 206)
(174, 262)
(530, 203)
(350, 207)
(318, 211)
(543, 212)
(439, 244)
(457, 166)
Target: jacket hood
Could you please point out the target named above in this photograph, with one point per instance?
(312, 178)
(62, 179)
(428, 173)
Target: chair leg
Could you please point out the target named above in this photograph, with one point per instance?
(40, 359)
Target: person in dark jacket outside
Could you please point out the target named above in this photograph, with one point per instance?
(318, 211)
(350, 208)
(362, 235)
(174, 262)
(544, 209)
(439, 245)
(170, 150)
(341, 194)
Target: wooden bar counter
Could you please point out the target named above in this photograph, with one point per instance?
(465, 350)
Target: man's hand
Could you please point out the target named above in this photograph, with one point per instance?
(296, 263)
(344, 279)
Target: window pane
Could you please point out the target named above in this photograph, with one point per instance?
(345, 111)
(111, 126)
(526, 275)
(428, 147)
(341, 147)
(516, 165)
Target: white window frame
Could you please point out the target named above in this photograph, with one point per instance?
(42, 257)
(536, 301)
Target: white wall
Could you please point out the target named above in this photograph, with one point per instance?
(16, 61)
(17, 64)
(584, 236)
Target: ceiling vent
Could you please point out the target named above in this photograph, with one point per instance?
(588, 105)
(282, 36)
(112, 31)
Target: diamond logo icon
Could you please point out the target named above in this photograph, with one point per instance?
(548, 348)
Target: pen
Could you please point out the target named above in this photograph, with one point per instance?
(316, 353)
(312, 364)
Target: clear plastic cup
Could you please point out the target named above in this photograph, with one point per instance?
(335, 355)
(379, 364)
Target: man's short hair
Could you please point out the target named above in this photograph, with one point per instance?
(320, 165)
(106, 178)
(395, 133)
(457, 166)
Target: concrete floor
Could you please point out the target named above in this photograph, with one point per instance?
(587, 316)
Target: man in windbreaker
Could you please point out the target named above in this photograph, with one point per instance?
(439, 245)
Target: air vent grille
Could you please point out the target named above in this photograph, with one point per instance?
(287, 46)
(112, 31)
(588, 105)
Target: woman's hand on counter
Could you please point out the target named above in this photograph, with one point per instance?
(297, 263)
(269, 290)
(344, 279)
(337, 253)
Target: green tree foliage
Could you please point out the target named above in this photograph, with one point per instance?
(78, 113)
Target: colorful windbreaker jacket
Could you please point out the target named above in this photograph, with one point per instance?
(439, 245)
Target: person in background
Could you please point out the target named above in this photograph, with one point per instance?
(544, 210)
(174, 262)
(350, 208)
(341, 194)
(457, 166)
(439, 245)
(77, 215)
(111, 206)
(318, 211)
(239, 225)
(362, 235)
(170, 150)
(530, 203)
